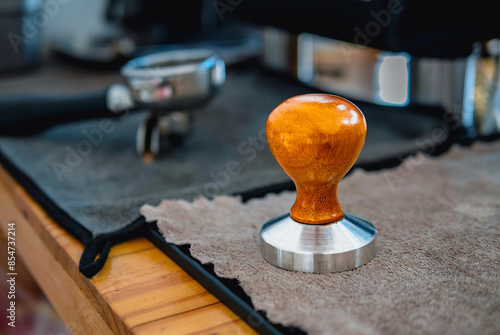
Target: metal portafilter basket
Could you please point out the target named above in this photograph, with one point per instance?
(168, 84)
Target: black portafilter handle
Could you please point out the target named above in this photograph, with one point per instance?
(27, 115)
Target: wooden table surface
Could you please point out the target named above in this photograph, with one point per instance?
(139, 290)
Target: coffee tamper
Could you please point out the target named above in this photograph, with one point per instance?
(316, 138)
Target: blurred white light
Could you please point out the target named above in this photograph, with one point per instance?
(393, 79)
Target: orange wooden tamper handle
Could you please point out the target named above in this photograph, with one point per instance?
(316, 138)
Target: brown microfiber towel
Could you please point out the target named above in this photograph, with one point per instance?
(437, 269)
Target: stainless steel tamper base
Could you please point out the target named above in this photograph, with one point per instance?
(339, 246)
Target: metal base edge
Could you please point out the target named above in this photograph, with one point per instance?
(339, 246)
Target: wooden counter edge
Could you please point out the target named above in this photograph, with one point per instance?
(95, 314)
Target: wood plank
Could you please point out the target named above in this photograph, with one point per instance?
(212, 319)
(139, 290)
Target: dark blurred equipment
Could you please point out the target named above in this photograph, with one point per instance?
(154, 22)
(20, 42)
(385, 52)
(123, 29)
(391, 52)
(422, 28)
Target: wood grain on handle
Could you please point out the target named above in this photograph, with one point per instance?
(316, 138)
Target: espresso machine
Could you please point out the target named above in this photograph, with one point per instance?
(390, 52)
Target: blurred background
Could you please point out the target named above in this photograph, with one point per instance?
(438, 57)
(389, 52)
